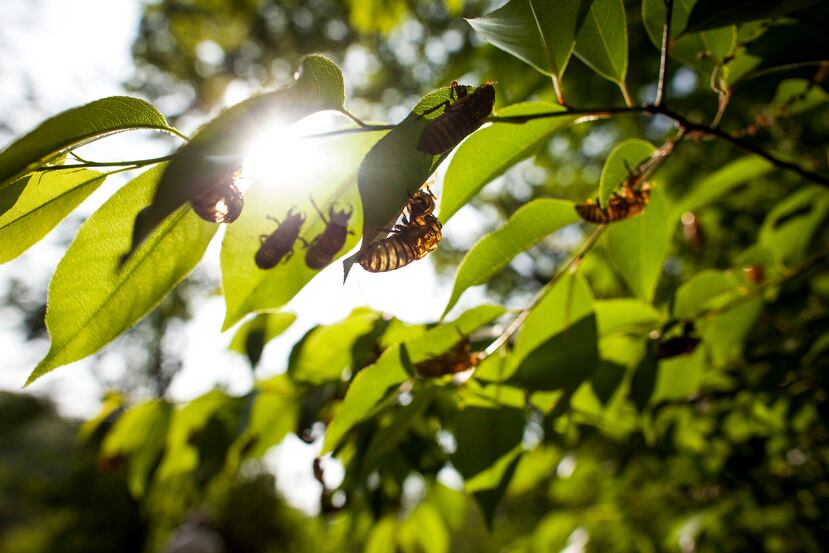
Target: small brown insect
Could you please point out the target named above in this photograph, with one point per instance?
(755, 273)
(323, 248)
(683, 344)
(422, 203)
(221, 203)
(407, 243)
(280, 243)
(626, 203)
(458, 120)
(456, 360)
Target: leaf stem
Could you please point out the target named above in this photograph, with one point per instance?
(625, 93)
(352, 130)
(522, 316)
(663, 59)
(135, 163)
(559, 90)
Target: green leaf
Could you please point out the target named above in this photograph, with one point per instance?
(541, 33)
(654, 15)
(92, 299)
(719, 183)
(45, 201)
(139, 434)
(394, 169)
(388, 436)
(795, 96)
(494, 149)
(628, 154)
(602, 42)
(10, 192)
(250, 289)
(219, 148)
(639, 245)
(252, 336)
(274, 415)
(73, 128)
(326, 352)
(372, 384)
(712, 14)
(485, 437)
(367, 390)
(644, 381)
(708, 289)
(679, 377)
(557, 346)
(625, 315)
(724, 336)
(181, 455)
(493, 252)
(429, 530)
(788, 230)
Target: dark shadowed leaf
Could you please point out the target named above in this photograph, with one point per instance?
(711, 14)
(644, 381)
(252, 336)
(788, 230)
(557, 346)
(394, 169)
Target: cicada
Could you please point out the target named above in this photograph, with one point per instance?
(222, 202)
(407, 243)
(458, 120)
(280, 243)
(323, 248)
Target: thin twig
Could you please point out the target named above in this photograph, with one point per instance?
(132, 163)
(744, 145)
(351, 130)
(522, 316)
(663, 59)
(592, 112)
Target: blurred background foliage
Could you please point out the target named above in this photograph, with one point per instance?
(739, 464)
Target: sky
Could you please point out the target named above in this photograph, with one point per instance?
(55, 55)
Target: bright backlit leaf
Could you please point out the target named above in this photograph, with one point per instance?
(541, 33)
(326, 351)
(717, 184)
(180, 454)
(330, 178)
(788, 230)
(494, 149)
(92, 299)
(73, 128)
(638, 246)
(625, 315)
(221, 146)
(139, 435)
(627, 155)
(45, 201)
(252, 336)
(527, 226)
(602, 42)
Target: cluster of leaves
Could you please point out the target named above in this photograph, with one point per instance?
(591, 361)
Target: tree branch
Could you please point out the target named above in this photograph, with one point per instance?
(663, 60)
